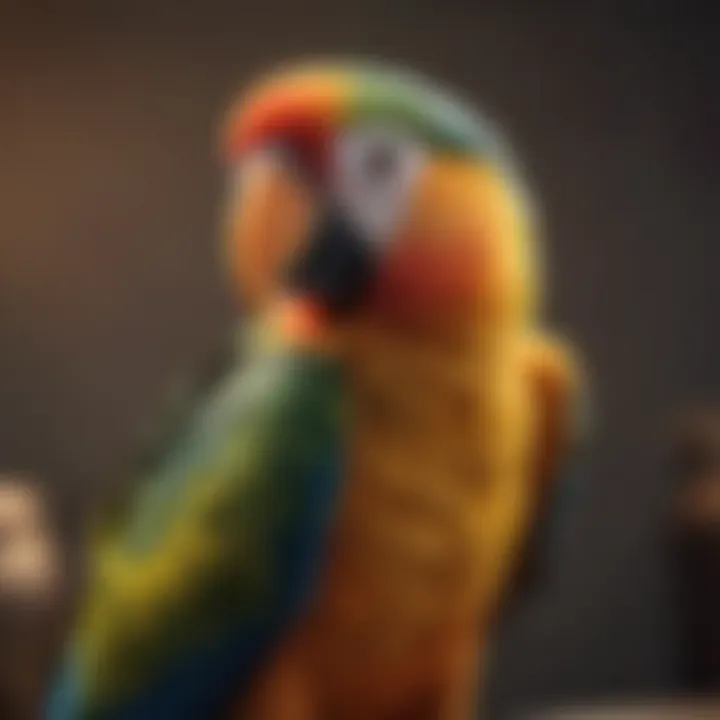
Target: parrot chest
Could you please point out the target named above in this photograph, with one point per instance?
(408, 568)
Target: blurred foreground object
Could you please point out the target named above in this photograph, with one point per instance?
(661, 710)
(30, 596)
(696, 525)
(334, 523)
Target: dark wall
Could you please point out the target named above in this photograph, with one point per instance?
(108, 275)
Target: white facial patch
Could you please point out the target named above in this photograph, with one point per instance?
(374, 173)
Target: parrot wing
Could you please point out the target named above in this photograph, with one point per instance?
(199, 573)
(561, 396)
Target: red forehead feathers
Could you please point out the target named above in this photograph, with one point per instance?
(300, 112)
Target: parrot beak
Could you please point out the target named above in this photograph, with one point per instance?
(336, 269)
(268, 214)
(286, 241)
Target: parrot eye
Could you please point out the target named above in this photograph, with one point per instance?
(380, 162)
(374, 173)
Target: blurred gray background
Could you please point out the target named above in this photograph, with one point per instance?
(109, 279)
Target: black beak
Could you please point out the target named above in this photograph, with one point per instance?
(336, 269)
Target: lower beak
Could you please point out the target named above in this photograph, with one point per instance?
(336, 268)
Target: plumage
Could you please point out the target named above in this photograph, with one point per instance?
(217, 550)
(332, 531)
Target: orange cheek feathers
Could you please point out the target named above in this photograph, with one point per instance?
(428, 281)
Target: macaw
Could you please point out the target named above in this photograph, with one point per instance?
(331, 529)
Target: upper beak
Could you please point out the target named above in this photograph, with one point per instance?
(269, 214)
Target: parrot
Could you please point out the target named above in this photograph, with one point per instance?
(331, 527)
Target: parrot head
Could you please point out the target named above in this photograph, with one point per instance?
(366, 192)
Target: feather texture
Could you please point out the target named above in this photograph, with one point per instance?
(215, 553)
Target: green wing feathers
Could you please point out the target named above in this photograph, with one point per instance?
(210, 540)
